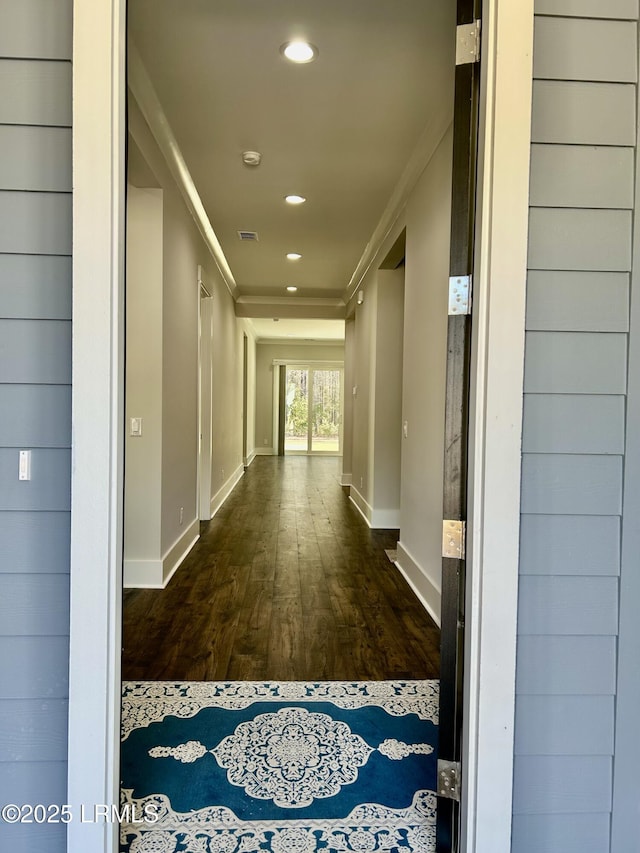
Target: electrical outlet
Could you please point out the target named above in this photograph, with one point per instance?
(361, 482)
(222, 473)
(181, 514)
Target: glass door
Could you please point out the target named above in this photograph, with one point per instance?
(325, 412)
(296, 424)
(313, 410)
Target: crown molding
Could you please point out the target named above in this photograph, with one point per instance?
(429, 141)
(145, 95)
(290, 307)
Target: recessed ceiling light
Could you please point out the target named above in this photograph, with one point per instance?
(299, 51)
(291, 288)
(295, 199)
(293, 256)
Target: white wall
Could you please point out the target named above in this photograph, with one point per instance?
(374, 477)
(377, 404)
(388, 398)
(251, 389)
(265, 441)
(183, 250)
(348, 404)
(143, 397)
(424, 365)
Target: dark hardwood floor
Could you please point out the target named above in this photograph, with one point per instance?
(287, 582)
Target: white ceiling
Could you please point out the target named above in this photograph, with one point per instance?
(339, 130)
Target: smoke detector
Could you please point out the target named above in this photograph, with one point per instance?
(251, 158)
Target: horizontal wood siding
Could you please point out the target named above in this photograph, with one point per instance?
(570, 301)
(580, 258)
(35, 398)
(545, 833)
(613, 9)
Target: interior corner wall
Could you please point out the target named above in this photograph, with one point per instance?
(265, 440)
(428, 220)
(347, 406)
(377, 404)
(388, 398)
(363, 373)
(245, 329)
(183, 250)
(143, 397)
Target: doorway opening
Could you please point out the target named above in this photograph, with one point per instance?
(313, 410)
(287, 581)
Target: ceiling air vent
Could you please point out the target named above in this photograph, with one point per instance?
(248, 236)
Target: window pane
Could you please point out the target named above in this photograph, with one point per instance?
(296, 426)
(325, 411)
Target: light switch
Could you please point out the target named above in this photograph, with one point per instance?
(24, 471)
(135, 427)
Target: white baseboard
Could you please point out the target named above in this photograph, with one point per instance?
(265, 451)
(360, 504)
(345, 479)
(156, 574)
(385, 519)
(377, 519)
(429, 594)
(142, 574)
(250, 459)
(223, 493)
(172, 560)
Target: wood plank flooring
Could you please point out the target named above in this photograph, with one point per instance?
(287, 582)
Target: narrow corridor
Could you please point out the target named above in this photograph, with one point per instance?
(286, 583)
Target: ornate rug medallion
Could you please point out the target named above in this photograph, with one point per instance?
(288, 767)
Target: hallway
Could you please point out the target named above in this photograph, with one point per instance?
(286, 583)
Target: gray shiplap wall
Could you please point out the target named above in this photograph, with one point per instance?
(580, 249)
(35, 401)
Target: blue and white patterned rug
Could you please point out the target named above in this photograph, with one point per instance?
(288, 767)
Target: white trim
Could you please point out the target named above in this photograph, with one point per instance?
(345, 479)
(265, 451)
(143, 574)
(225, 490)
(176, 554)
(428, 593)
(250, 458)
(385, 519)
(204, 432)
(316, 364)
(365, 509)
(156, 574)
(145, 96)
(96, 539)
(496, 425)
(428, 143)
(377, 519)
(301, 342)
(99, 131)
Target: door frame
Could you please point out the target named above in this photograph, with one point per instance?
(312, 366)
(205, 398)
(99, 129)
